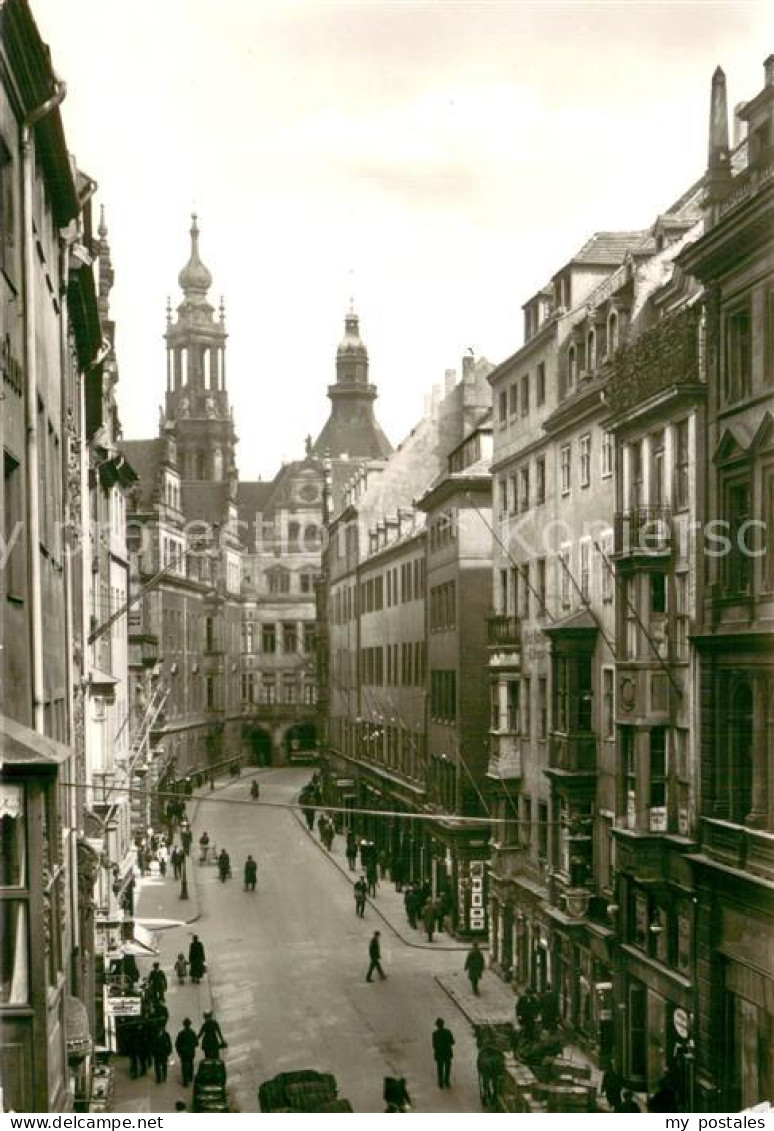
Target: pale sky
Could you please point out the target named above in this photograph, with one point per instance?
(440, 161)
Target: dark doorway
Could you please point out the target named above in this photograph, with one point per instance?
(261, 747)
(300, 742)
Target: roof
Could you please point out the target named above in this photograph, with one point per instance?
(609, 249)
(21, 746)
(146, 457)
(352, 430)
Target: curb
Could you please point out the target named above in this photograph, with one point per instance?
(457, 1000)
(456, 948)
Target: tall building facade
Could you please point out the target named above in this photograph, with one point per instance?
(733, 1010)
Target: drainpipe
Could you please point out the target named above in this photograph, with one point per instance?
(31, 405)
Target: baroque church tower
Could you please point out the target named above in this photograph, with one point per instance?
(197, 406)
(352, 431)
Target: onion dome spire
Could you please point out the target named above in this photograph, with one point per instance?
(195, 280)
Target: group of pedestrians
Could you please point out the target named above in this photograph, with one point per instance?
(427, 912)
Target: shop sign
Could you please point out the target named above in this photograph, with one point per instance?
(682, 1023)
(124, 1006)
(477, 909)
(345, 783)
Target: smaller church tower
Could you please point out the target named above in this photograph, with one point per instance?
(352, 430)
(197, 407)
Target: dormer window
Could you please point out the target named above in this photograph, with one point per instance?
(572, 367)
(612, 333)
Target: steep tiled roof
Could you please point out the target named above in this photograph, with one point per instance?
(146, 457)
(610, 248)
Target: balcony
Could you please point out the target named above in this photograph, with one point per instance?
(573, 754)
(643, 531)
(504, 630)
(735, 846)
(143, 649)
(504, 755)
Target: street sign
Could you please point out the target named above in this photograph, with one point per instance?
(682, 1023)
(124, 1006)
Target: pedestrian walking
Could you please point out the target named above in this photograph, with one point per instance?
(411, 903)
(375, 956)
(474, 964)
(372, 876)
(175, 861)
(429, 916)
(360, 890)
(251, 874)
(157, 983)
(224, 866)
(204, 847)
(443, 1051)
(611, 1086)
(162, 858)
(196, 959)
(161, 1048)
(351, 850)
(381, 860)
(186, 1044)
(211, 1037)
(181, 968)
(255, 790)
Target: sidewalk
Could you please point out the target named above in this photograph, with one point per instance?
(496, 1004)
(159, 898)
(388, 903)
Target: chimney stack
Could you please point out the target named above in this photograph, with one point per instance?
(768, 71)
(718, 131)
(468, 367)
(450, 380)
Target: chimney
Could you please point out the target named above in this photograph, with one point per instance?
(468, 367)
(718, 131)
(450, 380)
(740, 125)
(768, 71)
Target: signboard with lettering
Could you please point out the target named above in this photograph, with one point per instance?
(124, 1006)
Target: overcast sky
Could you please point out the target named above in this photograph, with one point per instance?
(438, 160)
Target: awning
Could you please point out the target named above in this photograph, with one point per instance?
(142, 944)
(21, 746)
(79, 1042)
(102, 683)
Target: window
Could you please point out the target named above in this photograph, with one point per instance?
(513, 706)
(526, 706)
(289, 638)
(565, 469)
(503, 497)
(631, 624)
(540, 480)
(585, 460)
(309, 637)
(585, 568)
(269, 639)
(563, 565)
(629, 775)
(738, 560)
(268, 689)
(562, 694)
(572, 368)
(514, 491)
(306, 582)
(7, 212)
(543, 830)
(525, 394)
(525, 828)
(524, 488)
(658, 778)
(608, 703)
(513, 393)
(289, 688)
(635, 475)
(279, 581)
(542, 707)
(738, 368)
(591, 350)
(607, 454)
(682, 463)
(658, 594)
(248, 687)
(14, 967)
(443, 696)
(612, 333)
(682, 620)
(657, 470)
(540, 567)
(503, 407)
(524, 586)
(13, 526)
(540, 384)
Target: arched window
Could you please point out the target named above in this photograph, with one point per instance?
(612, 333)
(591, 350)
(572, 367)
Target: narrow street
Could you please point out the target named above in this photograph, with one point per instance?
(287, 967)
